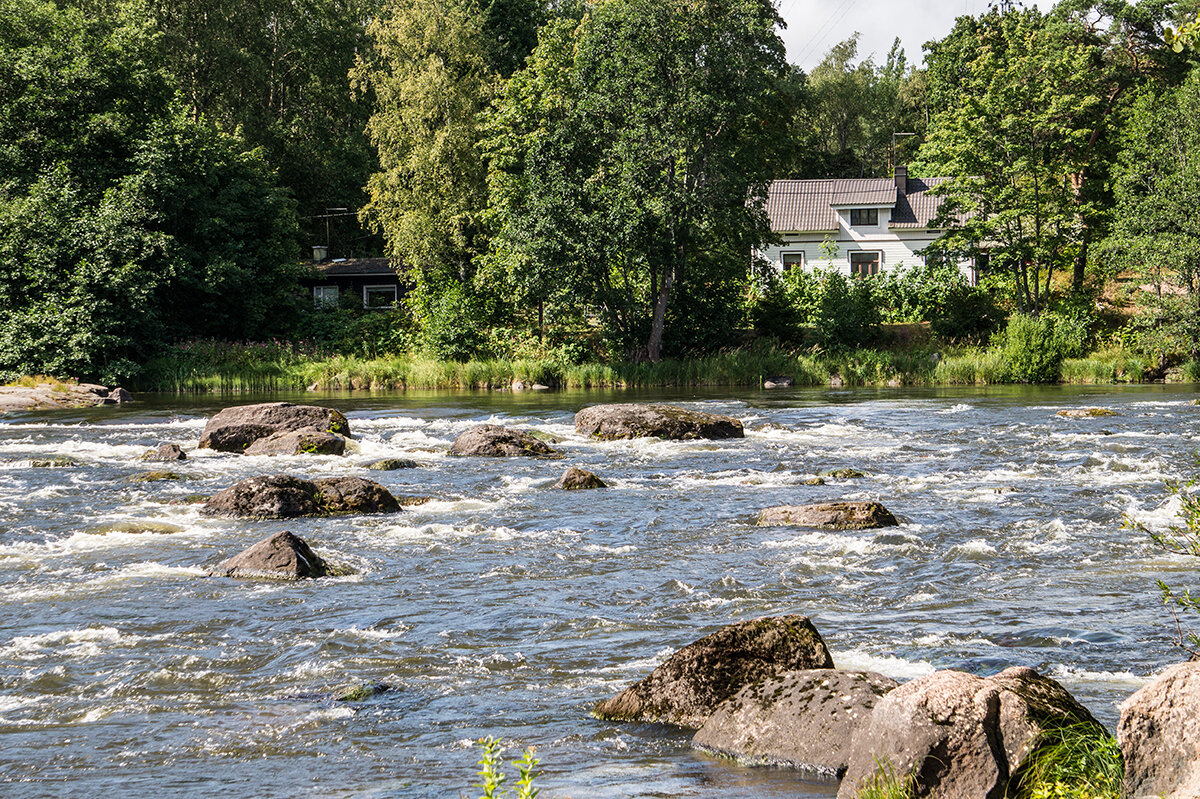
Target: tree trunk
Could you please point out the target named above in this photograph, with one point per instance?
(1081, 258)
(654, 345)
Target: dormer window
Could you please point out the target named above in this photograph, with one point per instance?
(864, 217)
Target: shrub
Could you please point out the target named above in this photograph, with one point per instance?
(1032, 349)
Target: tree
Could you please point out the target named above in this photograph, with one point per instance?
(631, 159)
(1017, 113)
(123, 224)
(1155, 230)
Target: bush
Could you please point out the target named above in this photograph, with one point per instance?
(1032, 349)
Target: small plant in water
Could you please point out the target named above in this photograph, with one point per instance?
(492, 775)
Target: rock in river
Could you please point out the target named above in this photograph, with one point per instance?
(829, 515)
(576, 479)
(494, 441)
(164, 453)
(1159, 734)
(235, 429)
(299, 442)
(282, 496)
(282, 556)
(689, 685)
(959, 735)
(633, 420)
(804, 719)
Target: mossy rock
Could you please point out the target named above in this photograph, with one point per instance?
(542, 435)
(58, 462)
(844, 474)
(363, 692)
(413, 501)
(392, 464)
(155, 477)
(137, 527)
(1085, 413)
(813, 481)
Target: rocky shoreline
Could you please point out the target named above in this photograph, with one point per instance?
(50, 396)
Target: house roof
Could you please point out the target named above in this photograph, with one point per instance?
(348, 267)
(809, 205)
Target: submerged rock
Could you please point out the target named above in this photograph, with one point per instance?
(57, 462)
(392, 464)
(283, 496)
(689, 685)
(235, 429)
(844, 474)
(164, 453)
(803, 719)
(494, 441)
(1159, 733)
(155, 477)
(1086, 413)
(959, 735)
(363, 692)
(829, 515)
(575, 479)
(282, 556)
(298, 442)
(778, 382)
(633, 420)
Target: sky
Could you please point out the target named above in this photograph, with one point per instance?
(814, 26)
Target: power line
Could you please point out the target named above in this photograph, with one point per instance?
(839, 12)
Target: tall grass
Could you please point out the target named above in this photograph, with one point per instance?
(1077, 761)
(212, 366)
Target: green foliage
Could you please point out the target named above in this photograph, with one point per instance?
(885, 783)
(1031, 346)
(1078, 761)
(622, 161)
(123, 224)
(937, 293)
(492, 775)
(1182, 538)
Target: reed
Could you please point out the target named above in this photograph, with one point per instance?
(1106, 366)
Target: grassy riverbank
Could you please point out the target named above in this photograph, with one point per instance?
(263, 367)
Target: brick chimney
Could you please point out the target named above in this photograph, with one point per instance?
(901, 181)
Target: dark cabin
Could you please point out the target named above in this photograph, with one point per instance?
(373, 281)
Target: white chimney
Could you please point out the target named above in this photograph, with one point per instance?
(320, 252)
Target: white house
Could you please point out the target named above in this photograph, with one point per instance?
(857, 226)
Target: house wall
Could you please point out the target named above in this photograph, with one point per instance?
(897, 247)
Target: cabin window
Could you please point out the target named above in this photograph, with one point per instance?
(865, 263)
(379, 296)
(325, 296)
(864, 217)
(792, 260)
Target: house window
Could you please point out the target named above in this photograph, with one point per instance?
(865, 263)
(792, 260)
(325, 296)
(379, 296)
(864, 217)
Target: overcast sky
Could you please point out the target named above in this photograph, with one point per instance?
(813, 26)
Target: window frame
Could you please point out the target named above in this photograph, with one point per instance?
(322, 297)
(379, 287)
(872, 217)
(877, 260)
(785, 267)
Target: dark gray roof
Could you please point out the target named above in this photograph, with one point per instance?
(346, 267)
(808, 205)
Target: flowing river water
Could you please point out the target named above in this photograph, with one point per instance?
(505, 608)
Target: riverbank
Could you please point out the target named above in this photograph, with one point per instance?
(45, 393)
(236, 368)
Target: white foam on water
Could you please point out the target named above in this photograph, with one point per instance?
(888, 665)
(1078, 675)
(839, 543)
(77, 643)
(1159, 517)
(375, 633)
(88, 541)
(636, 666)
(975, 548)
(959, 408)
(598, 548)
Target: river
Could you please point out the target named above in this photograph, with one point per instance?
(504, 608)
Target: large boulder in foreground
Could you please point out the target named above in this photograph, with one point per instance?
(829, 516)
(632, 420)
(299, 442)
(494, 441)
(1159, 733)
(235, 429)
(282, 556)
(959, 735)
(687, 688)
(282, 496)
(802, 719)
